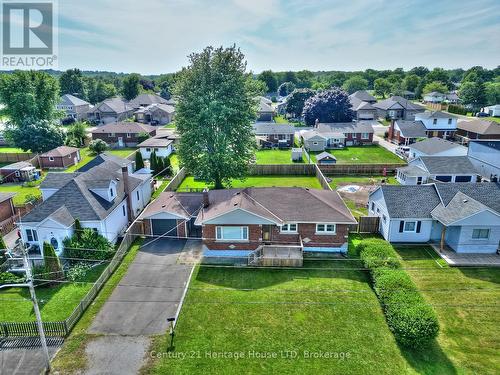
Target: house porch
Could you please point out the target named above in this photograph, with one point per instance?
(277, 256)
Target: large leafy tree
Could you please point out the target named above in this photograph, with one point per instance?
(76, 134)
(99, 90)
(492, 93)
(296, 101)
(29, 96)
(435, 86)
(410, 82)
(214, 112)
(382, 87)
(328, 106)
(268, 77)
(355, 83)
(38, 136)
(131, 86)
(72, 82)
(286, 88)
(473, 94)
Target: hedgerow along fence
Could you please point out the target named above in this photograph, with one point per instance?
(64, 327)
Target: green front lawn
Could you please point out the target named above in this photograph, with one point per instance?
(122, 152)
(22, 192)
(331, 311)
(12, 150)
(466, 303)
(56, 303)
(274, 157)
(362, 155)
(491, 118)
(86, 156)
(259, 181)
(361, 180)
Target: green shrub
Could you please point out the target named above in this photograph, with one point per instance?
(78, 272)
(412, 321)
(98, 146)
(10, 278)
(458, 109)
(88, 244)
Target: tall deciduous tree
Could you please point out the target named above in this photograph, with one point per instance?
(40, 136)
(72, 82)
(131, 86)
(286, 88)
(435, 86)
(354, 84)
(473, 94)
(382, 87)
(29, 96)
(268, 77)
(328, 106)
(296, 101)
(410, 82)
(76, 134)
(215, 109)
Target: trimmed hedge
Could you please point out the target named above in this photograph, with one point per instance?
(412, 321)
(458, 109)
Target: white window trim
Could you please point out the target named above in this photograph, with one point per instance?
(480, 238)
(288, 226)
(222, 239)
(410, 231)
(326, 232)
(51, 158)
(365, 135)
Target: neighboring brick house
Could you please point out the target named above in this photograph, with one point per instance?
(7, 212)
(397, 107)
(74, 107)
(337, 135)
(110, 111)
(123, 134)
(362, 105)
(22, 171)
(478, 129)
(273, 134)
(155, 114)
(255, 224)
(60, 157)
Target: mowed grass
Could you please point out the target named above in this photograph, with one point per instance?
(56, 302)
(122, 152)
(86, 156)
(258, 181)
(267, 312)
(274, 157)
(362, 155)
(466, 301)
(22, 192)
(338, 181)
(12, 150)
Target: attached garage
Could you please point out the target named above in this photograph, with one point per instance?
(166, 227)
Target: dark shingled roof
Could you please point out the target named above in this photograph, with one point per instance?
(273, 128)
(411, 129)
(487, 193)
(55, 180)
(410, 201)
(102, 158)
(435, 145)
(363, 96)
(124, 127)
(185, 205)
(448, 164)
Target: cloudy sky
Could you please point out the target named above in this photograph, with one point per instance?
(155, 36)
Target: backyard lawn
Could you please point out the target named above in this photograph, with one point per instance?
(56, 303)
(86, 156)
(122, 152)
(22, 192)
(363, 155)
(259, 181)
(327, 309)
(360, 180)
(13, 150)
(274, 157)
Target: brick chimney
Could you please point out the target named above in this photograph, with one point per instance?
(126, 188)
(206, 201)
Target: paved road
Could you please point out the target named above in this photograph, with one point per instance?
(148, 294)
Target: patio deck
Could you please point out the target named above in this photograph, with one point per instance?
(467, 260)
(278, 256)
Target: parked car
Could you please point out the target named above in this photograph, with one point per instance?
(403, 151)
(482, 114)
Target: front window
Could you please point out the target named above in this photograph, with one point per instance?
(31, 235)
(325, 228)
(129, 135)
(410, 226)
(289, 228)
(232, 233)
(123, 211)
(480, 234)
(137, 193)
(365, 136)
(111, 193)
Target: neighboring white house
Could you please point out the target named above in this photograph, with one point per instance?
(105, 198)
(438, 168)
(464, 217)
(434, 97)
(437, 123)
(436, 147)
(160, 145)
(492, 110)
(485, 156)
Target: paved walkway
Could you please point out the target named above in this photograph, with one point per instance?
(383, 143)
(467, 260)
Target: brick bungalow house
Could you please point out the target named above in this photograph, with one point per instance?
(22, 171)
(337, 135)
(60, 157)
(256, 226)
(272, 134)
(123, 134)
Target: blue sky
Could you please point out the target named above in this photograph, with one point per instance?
(155, 36)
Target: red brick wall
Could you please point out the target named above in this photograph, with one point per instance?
(254, 236)
(181, 228)
(58, 162)
(6, 210)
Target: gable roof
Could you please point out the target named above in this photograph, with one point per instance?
(60, 151)
(434, 114)
(103, 158)
(116, 105)
(158, 141)
(435, 94)
(411, 129)
(446, 164)
(325, 155)
(363, 95)
(398, 102)
(68, 99)
(273, 128)
(146, 100)
(279, 205)
(434, 145)
(459, 207)
(185, 205)
(264, 106)
(167, 108)
(483, 127)
(345, 127)
(57, 180)
(124, 127)
(310, 134)
(18, 166)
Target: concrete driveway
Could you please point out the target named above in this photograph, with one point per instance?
(148, 294)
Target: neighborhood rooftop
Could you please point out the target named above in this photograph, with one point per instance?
(436, 165)
(60, 151)
(124, 127)
(483, 127)
(273, 128)
(434, 145)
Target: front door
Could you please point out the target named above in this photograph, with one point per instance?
(266, 233)
(120, 141)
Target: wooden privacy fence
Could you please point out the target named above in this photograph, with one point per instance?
(174, 184)
(359, 169)
(14, 157)
(282, 169)
(322, 179)
(62, 328)
(368, 224)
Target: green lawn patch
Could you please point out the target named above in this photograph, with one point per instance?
(122, 152)
(361, 180)
(86, 156)
(12, 150)
(174, 161)
(22, 192)
(461, 296)
(274, 156)
(491, 118)
(270, 311)
(280, 119)
(71, 357)
(56, 303)
(362, 155)
(259, 181)
(160, 189)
